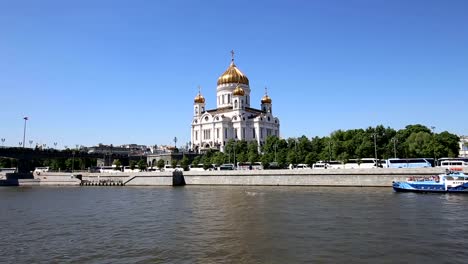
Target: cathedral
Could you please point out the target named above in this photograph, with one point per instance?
(233, 118)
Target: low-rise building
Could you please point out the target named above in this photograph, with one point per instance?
(463, 146)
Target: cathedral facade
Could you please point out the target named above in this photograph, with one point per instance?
(233, 118)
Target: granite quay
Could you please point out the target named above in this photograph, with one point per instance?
(345, 177)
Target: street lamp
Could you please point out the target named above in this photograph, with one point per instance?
(329, 150)
(375, 144)
(433, 142)
(24, 131)
(55, 145)
(73, 161)
(175, 142)
(295, 150)
(3, 142)
(20, 143)
(394, 146)
(235, 154)
(30, 143)
(276, 146)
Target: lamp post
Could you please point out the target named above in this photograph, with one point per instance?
(73, 161)
(235, 154)
(24, 130)
(30, 143)
(3, 142)
(175, 142)
(295, 150)
(433, 142)
(276, 147)
(55, 145)
(329, 150)
(375, 144)
(394, 146)
(20, 143)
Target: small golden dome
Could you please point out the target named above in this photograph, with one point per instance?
(199, 99)
(266, 99)
(238, 91)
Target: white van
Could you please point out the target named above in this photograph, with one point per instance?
(320, 165)
(302, 166)
(170, 168)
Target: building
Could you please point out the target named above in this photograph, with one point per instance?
(463, 146)
(234, 117)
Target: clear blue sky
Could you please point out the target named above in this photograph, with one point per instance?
(89, 72)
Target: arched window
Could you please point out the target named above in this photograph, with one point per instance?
(235, 103)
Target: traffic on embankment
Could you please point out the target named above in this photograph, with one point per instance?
(382, 177)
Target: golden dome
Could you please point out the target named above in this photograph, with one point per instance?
(266, 99)
(238, 91)
(232, 74)
(199, 99)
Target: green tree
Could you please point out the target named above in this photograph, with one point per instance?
(218, 158)
(174, 163)
(196, 160)
(420, 144)
(184, 163)
(446, 145)
(142, 165)
(132, 164)
(161, 163)
(117, 164)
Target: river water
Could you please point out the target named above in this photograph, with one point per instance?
(231, 224)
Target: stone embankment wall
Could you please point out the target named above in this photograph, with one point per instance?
(56, 178)
(307, 177)
(132, 178)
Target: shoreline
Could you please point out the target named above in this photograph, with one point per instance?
(299, 177)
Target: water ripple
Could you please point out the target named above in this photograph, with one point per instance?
(237, 224)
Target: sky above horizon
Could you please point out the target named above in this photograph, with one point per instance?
(118, 72)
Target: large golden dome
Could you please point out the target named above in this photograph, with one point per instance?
(233, 75)
(238, 91)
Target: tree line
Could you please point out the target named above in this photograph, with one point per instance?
(413, 141)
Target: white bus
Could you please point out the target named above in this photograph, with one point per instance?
(408, 163)
(334, 164)
(366, 163)
(41, 169)
(320, 165)
(249, 166)
(108, 169)
(454, 164)
(127, 169)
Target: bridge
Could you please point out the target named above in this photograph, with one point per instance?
(26, 155)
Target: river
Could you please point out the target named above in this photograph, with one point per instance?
(231, 224)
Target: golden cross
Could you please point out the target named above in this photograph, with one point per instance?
(232, 55)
